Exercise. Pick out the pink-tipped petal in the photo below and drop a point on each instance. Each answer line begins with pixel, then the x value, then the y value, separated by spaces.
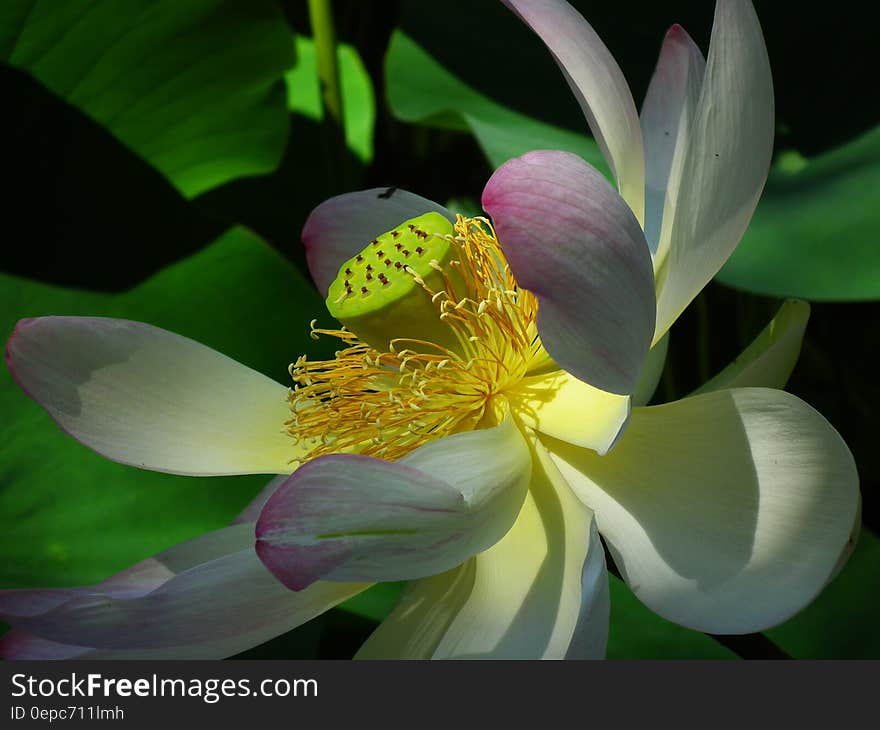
pixel 572 240
pixel 353 517
pixel 539 592
pixel 599 86
pixel 299 566
pixel 341 226
pixel 132 582
pixel 150 398
pixel 18 645
pixel 667 117
pixel 209 597
pixel 16 602
pixel 716 181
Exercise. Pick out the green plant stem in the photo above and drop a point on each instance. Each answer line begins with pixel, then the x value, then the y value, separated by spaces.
pixel 324 34
pixel 321 16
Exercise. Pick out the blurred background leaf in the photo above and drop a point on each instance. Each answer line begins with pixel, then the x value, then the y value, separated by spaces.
pixel 359 108
pixel 195 87
pixel 639 633
pixel 376 603
pixel 816 232
pixel 421 91
pixel 842 622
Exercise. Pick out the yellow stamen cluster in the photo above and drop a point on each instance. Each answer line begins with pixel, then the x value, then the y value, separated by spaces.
pixel 386 404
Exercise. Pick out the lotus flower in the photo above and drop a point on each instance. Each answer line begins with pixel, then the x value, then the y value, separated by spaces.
pixel 485 415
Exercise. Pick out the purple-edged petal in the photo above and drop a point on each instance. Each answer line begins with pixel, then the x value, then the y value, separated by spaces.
pixel 726 512
pixel 16 645
pixel 573 241
pixel 150 398
pixel 667 117
pixel 725 163
pixel 352 517
pixel 340 227
pixel 599 86
pixel 206 598
pixel 133 582
pixel 540 592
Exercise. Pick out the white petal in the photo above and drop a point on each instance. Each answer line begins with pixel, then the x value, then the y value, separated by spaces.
pixel 590 639
pixel 726 512
pixel 559 405
pixel 769 360
pixel 599 86
pixel 724 167
pixel 150 398
pixel 667 117
pixel 353 517
pixel 209 597
pixel 541 592
pixel 651 373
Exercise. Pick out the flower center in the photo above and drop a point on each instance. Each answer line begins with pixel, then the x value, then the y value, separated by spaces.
pixel 431 346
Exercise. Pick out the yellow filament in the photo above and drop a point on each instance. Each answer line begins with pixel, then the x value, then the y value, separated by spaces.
pixel 386 404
